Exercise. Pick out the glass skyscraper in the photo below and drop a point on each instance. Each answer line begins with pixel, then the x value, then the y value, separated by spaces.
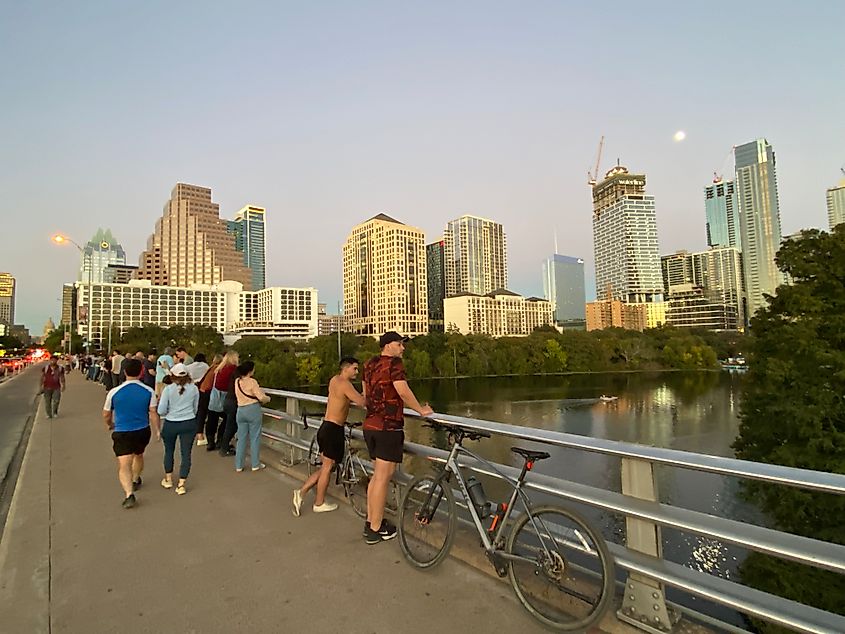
pixel 563 286
pixel 248 228
pixel 475 254
pixel 836 204
pixel 722 212
pixel 101 251
pixel 759 214
pixel 435 265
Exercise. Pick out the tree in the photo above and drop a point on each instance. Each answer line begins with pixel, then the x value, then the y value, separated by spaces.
pixel 308 369
pixel 793 410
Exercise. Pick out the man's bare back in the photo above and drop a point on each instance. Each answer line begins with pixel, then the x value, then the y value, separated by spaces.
pixel 341 395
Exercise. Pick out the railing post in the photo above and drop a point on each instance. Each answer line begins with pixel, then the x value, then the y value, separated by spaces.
pixel 644 604
pixel 293 430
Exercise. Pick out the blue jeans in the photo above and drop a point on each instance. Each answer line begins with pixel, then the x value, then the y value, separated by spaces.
pixel 249 419
pixel 184 430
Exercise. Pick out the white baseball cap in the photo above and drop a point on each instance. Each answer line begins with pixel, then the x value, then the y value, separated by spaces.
pixel 179 370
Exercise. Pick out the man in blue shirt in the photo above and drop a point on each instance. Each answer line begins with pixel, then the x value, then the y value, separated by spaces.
pixel 129 410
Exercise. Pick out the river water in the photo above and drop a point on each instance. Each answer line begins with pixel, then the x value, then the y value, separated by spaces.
pixel 689 411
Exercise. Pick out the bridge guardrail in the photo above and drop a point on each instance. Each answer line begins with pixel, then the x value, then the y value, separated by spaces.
pixel 644 604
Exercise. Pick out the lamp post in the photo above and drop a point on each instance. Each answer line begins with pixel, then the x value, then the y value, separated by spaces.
pixel 61 239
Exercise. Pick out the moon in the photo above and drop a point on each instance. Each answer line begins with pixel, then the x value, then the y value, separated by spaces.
pixel 679 136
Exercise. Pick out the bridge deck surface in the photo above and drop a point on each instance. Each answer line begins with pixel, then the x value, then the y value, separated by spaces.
pixel 228 556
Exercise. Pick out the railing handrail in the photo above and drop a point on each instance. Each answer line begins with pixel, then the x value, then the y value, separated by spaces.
pixel 760 471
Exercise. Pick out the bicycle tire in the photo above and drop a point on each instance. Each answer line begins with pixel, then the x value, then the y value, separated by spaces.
pixel 539 585
pixel 435 537
pixel 315 462
pixel 355 483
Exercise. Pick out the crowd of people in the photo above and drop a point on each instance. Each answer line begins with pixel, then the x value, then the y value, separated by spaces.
pixel 176 398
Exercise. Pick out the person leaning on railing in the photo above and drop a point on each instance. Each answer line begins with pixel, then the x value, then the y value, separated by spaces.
pixel 206 419
pixel 250 396
pixel 223 400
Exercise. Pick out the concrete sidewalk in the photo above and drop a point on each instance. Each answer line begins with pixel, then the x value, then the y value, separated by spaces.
pixel 226 557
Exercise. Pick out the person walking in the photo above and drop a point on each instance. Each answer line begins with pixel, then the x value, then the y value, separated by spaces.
pixel 178 408
pixel 163 365
pixel 206 418
pixel 330 436
pixel 52 386
pixel 148 376
pixel 250 397
pixel 116 366
pixel 386 390
pixel 197 370
pixel 130 413
pixel 223 396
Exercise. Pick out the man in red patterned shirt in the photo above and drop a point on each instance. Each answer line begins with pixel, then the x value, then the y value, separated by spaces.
pixel 387 393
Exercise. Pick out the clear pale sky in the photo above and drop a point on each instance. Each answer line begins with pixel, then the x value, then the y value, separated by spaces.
pixel 328 113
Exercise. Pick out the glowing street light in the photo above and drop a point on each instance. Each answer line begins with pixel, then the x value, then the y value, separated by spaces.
pixel 60 240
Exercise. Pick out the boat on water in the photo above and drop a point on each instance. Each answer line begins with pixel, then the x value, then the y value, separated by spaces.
pixel 608 399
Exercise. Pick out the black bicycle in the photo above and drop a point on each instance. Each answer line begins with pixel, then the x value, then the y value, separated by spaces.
pixel 558 564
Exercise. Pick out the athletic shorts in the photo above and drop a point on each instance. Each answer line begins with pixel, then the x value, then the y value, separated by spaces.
pixel 385 445
pixel 131 442
pixel 331 441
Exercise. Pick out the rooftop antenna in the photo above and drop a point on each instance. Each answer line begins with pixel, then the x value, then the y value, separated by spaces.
pixel 555 230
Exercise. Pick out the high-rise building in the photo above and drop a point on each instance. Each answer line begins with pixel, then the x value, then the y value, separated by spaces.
pixel 625 239
pixel 68 304
pixel 475 256
pixel 759 213
pixel 836 204
pixel 328 324
pixel 191 245
pixel 563 286
pixel 119 273
pixel 101 251
pixel 697 283
pixel 384 278
pixel 722 211
pixel 248 228
pixel 436 272
pixel 7 299
pixel 501 313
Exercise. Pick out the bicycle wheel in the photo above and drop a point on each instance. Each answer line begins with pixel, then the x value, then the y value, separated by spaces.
pixel 427 517
pixel 355 483
pixel 315 460
pixel 565 576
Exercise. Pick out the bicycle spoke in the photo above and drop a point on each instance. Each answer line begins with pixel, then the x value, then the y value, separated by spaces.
pixel 426 522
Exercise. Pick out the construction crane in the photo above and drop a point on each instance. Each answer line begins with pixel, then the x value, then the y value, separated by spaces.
pixel 594 175
pixel 717 176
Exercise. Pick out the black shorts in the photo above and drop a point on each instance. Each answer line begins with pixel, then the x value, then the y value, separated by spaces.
pixel 131 442
pixel 385 445
pixel 331 441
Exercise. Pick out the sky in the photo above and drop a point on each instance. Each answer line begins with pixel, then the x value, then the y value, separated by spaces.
pixel 328 113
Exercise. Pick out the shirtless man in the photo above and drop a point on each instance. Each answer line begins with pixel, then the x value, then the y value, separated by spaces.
pixel 330 436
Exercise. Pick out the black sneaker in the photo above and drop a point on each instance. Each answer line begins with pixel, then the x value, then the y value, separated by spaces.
pixel 385 533
pixel 136 484
pixel 129 502
pixel 366 528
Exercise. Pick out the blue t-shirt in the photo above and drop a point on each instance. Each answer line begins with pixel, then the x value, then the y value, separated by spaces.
pixel 131 403
pixel 161 372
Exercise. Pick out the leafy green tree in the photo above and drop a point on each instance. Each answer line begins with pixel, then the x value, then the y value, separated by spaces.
pixel 555 356
pixel 308 369
pixel 793 410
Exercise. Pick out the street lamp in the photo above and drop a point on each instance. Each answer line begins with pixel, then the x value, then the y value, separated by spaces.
pixel 60 240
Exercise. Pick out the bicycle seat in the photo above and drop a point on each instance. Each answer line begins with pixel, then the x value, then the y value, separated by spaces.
pixel 528 454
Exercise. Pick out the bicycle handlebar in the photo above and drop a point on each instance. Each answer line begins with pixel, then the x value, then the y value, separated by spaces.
pixel 471 434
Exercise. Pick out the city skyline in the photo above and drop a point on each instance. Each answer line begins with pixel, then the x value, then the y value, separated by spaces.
pixel 495 114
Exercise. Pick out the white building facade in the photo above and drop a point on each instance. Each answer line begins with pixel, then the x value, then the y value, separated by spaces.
pixel 498 314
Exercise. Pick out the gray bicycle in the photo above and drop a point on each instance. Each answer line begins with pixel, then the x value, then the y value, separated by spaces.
pixel 558 564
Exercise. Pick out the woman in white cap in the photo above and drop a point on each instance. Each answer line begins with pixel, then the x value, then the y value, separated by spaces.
pixel 178 409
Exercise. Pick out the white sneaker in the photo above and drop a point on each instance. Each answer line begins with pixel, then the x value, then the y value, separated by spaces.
pixel 260 466
pixel 325 507
pixel 167 484
pixel 202 441
pixel 297 502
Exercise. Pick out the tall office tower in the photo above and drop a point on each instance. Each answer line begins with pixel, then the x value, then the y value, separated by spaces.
pixel 720 271
pixel 190 244
pixel 248 228
pixel 836 204
pixel 625 239
pixel 475 256
pixel 68 304
pixel 435 270
pixel 384 278
pixel 759 213
pixel 101 251
pixel 7 299
pixel 722 211
pixel 563 286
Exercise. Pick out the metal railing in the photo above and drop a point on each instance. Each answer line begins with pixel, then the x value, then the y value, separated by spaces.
pixel 644 604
